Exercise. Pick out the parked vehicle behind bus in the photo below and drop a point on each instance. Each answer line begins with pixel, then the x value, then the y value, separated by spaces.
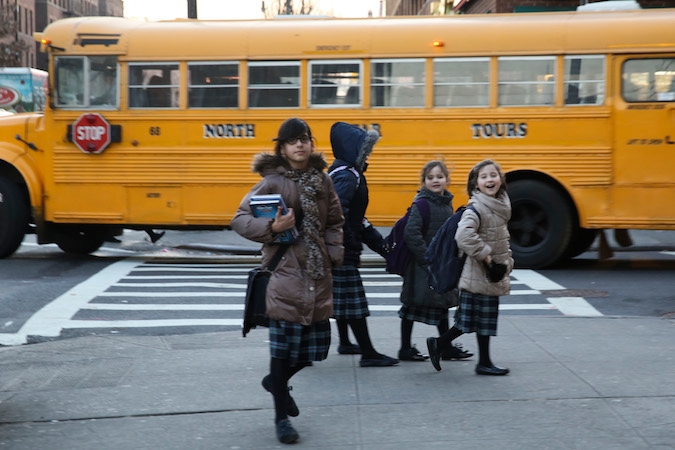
pixel 22 89
pixel 154 124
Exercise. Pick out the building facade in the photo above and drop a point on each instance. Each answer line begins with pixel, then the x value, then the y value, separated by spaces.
pixel 21 18
pixel 17 47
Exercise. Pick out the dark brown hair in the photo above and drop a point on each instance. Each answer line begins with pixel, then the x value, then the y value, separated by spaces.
pixel 428 167
pixel 291 128
pixel 472 181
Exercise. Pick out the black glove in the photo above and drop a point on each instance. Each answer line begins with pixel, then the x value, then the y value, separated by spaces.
pixel 495 271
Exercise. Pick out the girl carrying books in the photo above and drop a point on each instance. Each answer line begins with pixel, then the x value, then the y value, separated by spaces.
pixel 300 291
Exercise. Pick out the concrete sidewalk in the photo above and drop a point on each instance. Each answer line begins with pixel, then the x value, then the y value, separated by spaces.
pixel 575 383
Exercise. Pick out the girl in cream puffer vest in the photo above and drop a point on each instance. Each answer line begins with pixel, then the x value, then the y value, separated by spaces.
pixel 484 238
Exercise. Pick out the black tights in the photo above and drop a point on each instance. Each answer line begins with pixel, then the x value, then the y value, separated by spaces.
pixel 483 344
pixel 360 329
pixel 406 331
pixel 280 373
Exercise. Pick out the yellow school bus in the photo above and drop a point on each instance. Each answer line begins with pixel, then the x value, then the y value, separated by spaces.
pixel 154 124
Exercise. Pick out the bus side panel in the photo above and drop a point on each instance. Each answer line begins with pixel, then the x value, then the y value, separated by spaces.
pixel 644 185
pixel 164 172
pixel 581 162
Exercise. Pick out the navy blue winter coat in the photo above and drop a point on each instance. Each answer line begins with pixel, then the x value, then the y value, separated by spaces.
pixel 351 148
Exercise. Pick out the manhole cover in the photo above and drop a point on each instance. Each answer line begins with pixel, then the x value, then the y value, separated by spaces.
pixel 575 293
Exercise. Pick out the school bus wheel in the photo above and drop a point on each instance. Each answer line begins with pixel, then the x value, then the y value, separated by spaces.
pixel 14 217
pixel 80 242
pixel 541 224
pixel 580 242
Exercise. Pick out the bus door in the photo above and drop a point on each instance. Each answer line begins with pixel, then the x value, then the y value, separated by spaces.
pixel 645 139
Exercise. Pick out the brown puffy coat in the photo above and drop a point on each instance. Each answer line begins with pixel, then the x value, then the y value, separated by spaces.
pixel 291 294
pixel 480 237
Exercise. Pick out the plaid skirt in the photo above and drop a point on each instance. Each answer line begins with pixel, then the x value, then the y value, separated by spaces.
pixel 477 313
pixel 424 314
pixel 349 296
pixel 299 343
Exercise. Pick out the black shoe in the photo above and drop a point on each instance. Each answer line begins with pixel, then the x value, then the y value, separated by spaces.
pixel 286 433
pixel 378 361
pixel 292 408
pixel 455 352
pixel 154 237
pixel 411 354
pixel 351 349
pixel 491 370
pixel 434 354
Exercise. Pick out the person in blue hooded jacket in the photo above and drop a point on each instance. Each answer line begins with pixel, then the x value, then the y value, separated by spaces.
pixel 351 148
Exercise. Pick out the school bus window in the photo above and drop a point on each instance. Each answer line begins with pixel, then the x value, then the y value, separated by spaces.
pixel 274 84
pixel 153 85
pixel 70 81
pixel 335 82
pixel 213 85
pixel 397 82
pixel 461 82
pixel 526 81
pixel 103 80
pixel 584 80
pixel 86 81
pixel 649 80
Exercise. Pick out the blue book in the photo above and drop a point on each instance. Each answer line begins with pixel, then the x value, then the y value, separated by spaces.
pixel 266 206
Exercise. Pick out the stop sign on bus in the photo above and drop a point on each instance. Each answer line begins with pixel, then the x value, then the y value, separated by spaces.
pixel 91 133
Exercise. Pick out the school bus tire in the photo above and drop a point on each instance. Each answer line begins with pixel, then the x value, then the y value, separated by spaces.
pixel 14 217
pixel 541 225
pixel 80 242
pixel 582 239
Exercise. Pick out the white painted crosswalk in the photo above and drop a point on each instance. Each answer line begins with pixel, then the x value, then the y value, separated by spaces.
pixel 140 293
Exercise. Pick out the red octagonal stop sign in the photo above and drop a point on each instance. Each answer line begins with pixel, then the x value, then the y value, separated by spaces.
pixel 91 133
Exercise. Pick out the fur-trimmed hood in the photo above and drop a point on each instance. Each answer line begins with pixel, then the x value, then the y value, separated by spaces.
pixel 265 163
pixel 352 145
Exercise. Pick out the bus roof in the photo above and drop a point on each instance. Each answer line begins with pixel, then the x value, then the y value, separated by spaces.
pixel 464 35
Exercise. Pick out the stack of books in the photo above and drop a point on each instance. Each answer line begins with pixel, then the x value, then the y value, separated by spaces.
pixel 266 206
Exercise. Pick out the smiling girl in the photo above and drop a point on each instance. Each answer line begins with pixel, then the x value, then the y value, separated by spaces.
pixel 484 237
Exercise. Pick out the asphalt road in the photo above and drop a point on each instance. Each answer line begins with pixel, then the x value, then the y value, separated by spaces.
pixel 193 282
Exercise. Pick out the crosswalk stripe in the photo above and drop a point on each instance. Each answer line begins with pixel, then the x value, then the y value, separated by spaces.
pixel 133 278
pixel 152 323
pixel 240 307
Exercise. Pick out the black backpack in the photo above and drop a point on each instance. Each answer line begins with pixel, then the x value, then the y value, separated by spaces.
pixel 397 254
pixel 444 265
